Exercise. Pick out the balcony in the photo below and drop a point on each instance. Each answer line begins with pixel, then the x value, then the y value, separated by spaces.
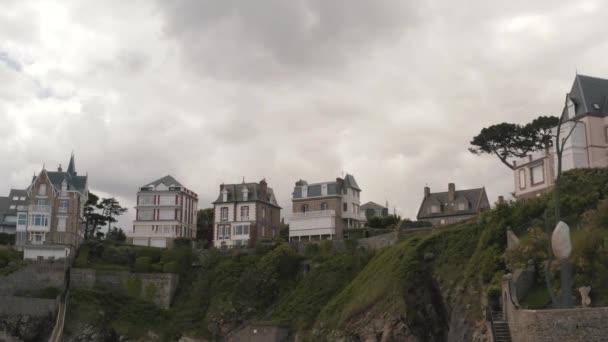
pixel 39 208
pixel 62 210
pixel 316 213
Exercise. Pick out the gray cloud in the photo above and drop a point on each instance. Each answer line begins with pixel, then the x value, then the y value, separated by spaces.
pixel 211 92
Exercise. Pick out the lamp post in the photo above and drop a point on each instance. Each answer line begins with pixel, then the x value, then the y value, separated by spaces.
pixel 562 247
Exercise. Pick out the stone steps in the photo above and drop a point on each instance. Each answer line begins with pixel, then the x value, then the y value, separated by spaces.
pixel 501 327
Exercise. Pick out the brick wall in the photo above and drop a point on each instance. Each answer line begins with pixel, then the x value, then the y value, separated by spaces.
pixel 35 276
pixel 37 307
pixel 158 288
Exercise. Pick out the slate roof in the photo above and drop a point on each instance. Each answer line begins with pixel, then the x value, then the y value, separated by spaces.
pixel 350 182
pixel 475 198
pixel 235 194
pixel 74 182
pixel 168 180
pixel 589 94
pixel 333 187
pixel 372 205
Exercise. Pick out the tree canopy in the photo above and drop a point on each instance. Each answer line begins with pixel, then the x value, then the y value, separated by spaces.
pixel 508 140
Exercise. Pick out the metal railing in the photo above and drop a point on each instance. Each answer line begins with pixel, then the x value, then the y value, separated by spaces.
pixel 315 213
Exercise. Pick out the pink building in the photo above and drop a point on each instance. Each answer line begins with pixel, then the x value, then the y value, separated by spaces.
pixel 586 104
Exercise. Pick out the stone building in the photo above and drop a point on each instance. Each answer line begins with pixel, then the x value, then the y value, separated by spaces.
pixel 442 208
pixel 325 211
pixel 166 210
pixel 50 218
pixel 245 213
pixel 373 209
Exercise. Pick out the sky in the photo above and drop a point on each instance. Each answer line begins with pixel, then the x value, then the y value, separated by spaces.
pixel 210 92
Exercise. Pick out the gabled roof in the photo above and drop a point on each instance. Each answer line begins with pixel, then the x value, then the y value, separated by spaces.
pixel 473 196
pixel 589 94
pixel 350 182
pixel 74 182
pixel 254 193
pixel 372 205
pixel 167 180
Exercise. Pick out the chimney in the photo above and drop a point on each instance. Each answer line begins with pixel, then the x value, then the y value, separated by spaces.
pixel 59 168
pixel 451 192
pixel 427 191
pixel 501 199
pixel 263 186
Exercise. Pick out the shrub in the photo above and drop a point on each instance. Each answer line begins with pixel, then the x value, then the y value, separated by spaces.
pixel 150 252
pixel 171 267
pixel 311 249
pixel 121 255
pixel 7 239
pixel 142 264
pixel 183 257
pixel 182 243
pixel 82 260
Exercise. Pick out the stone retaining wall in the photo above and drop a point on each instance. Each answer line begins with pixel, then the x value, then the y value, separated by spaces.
pixel 158 288
pixel 35 276
pixel 36 307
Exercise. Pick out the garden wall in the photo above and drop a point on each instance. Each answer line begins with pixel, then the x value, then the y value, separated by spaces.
pixel 35 276
pixel 36 307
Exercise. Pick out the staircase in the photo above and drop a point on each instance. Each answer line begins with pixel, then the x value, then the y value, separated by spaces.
pixel 500 327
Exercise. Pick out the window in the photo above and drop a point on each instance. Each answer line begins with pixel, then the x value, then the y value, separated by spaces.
pixel 345 207
pixel 304 208
pixel 145 200
pixel 344 191
pixel 22 198
pixel 64 186
pixel 61 224
pixel 324 206
pixel 39 220
pixel 223 232
pixel 22 219
pixel 442 222
pixel 522 179
pixel 145 215
pixel 461 206
pixel 238 230
pixel 42 190
pixel 166 214
pixel 37 238
pixel 245 213
pixel 15 198
pixel 263 212
pixel 434 209
pixel 41 202
pixel 167 200
pixel 354 208
pixel 13 207
pixel 63 205
pixel 537 174
pixel 224 214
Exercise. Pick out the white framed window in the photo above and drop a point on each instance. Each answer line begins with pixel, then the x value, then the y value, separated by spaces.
pixel 434 208
pixel 223 232
pixel 145 200
pixel 13 207
pixel 224 214
pixel 145 215
pixel 39 220
pixel 167 200
pixel 64 205
pixel 22 219
pixel 64 186
pixel 166 214
pixel 22 198
pixel 61 223
pixel 42 190
pixel 537 174
pixel 522 179
pixel 41 202
pixel 461 206
pixel 37 238
pixel 15 198
pixel 245 213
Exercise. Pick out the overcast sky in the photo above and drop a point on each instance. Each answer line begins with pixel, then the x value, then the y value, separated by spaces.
pixel 213 91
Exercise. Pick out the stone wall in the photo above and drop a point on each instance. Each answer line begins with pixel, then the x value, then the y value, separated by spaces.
pixel 35 276
pixel 379 241
pixel 158 288
pixel 36 307
pixel 572 325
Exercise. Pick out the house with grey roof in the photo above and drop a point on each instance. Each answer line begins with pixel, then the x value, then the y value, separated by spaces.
pixel 373 209
pixel 245 214
pixel 50 213
pixel 452 206
pixel 586 113
pixel 166 210
pixel 325 210
pixel 9 206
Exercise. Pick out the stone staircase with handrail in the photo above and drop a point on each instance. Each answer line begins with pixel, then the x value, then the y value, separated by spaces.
pixel 500 327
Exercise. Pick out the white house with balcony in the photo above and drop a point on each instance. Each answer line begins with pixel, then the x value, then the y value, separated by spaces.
pixel 166 210
pixel 326 210
pixel 49 213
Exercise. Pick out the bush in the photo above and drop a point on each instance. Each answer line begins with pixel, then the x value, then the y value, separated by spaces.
pixel 311 249
pixel 150 252
pixel 183 257
pixel 182 243
pixel 171 267
pixel 142 265
pixel 120 255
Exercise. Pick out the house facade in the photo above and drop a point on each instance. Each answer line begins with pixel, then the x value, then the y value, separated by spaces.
pixel 16 201
pixel 325 211
pixel 452 206
pixel 49 214
pixel 244 214
pixel 166 210
pixel 373 209
pixel 585 108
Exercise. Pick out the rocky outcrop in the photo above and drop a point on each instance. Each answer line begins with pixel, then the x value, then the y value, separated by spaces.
pixel 25 328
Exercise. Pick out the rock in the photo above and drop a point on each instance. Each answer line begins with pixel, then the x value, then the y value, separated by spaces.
pixel 560 241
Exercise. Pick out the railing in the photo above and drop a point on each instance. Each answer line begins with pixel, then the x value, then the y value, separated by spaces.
pixel 491 320
pixel 62 209
pixel 316 213
pixel 43 208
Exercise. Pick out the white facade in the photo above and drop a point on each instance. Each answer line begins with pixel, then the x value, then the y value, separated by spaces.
pixel 321 223
pixel 233 223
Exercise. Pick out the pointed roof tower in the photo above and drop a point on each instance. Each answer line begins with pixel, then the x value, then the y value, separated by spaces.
pixel 72 166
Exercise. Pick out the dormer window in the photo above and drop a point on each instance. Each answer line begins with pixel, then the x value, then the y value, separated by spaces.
pixel 245 194
pixel 42 190
pixel 64 185
pixel 462 206
pixel 434 208
pixel 224 195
